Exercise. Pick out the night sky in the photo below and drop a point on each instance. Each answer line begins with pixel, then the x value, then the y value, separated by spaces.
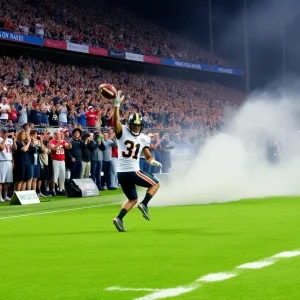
pixel 189 18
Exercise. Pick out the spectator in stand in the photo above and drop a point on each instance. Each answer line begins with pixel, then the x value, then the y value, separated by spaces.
pixel 10 125
pixel 53 117
pixel 96 149
pixel 72 119
pixel 91 117
pixel 35 114
pixel 75 153
pixel 23 112
pixel 156 153
pixel 39 30
pixel 13 115
pixel 5 110
pixel 107 164
pixel 66 135
pixel 81 117
pixel 62 114
pixel 45 119
pixel 166 146
pixel 38 148
pixel 23 171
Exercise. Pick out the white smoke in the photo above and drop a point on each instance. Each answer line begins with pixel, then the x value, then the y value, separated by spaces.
pixel 234 165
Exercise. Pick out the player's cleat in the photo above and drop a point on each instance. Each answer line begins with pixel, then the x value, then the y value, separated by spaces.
pixel 144 209
pixel 119 224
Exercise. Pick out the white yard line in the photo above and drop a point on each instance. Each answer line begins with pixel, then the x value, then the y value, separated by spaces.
pixel 117 288
pixel 56 211
pixel 167 293
pixel 209 278
pixel 256 265
pixel 287 254
pixel 216 277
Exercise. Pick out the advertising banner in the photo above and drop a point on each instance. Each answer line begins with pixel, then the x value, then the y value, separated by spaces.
pixel 227 70
pixel 195 66
pixel 98 51
pixel 55 44
pixel 183 151
pixel 116 53
pixel 77 48
pixel 134 56
pixel 24 198
pixel 17 37
pixel 152 59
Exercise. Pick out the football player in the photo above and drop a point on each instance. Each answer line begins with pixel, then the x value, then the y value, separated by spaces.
pixel 131 142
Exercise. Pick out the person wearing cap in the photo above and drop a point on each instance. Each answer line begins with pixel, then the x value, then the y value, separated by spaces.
pixel 58 146
pixel 91 117
pixel 66 134
pixel 74 155
pixel 6 164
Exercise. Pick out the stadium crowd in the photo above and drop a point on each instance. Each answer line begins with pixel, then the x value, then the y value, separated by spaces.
pixel 80 22
pixel 46 93
pixel 43 103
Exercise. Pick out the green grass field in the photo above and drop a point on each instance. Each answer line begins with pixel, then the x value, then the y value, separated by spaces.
pixel 64 250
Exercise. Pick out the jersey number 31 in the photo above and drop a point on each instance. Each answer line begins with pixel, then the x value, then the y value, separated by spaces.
pixel 131 149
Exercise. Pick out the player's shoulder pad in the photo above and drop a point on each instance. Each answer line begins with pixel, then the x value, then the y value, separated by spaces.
pixel 145 138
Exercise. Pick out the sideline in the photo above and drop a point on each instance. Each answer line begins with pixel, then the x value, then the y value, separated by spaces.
pixel 57 211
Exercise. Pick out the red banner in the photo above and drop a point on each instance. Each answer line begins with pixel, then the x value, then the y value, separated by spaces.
pixel 55 44
pixel 152 59
pixel 98 51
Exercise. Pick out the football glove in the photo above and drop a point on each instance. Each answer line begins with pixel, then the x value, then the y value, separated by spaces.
pixel 155 163
pixel 118 100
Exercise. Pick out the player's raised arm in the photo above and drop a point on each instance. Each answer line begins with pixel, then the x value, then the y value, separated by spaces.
pixel 117 123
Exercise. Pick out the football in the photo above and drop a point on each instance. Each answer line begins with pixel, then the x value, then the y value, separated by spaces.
pixel 108 91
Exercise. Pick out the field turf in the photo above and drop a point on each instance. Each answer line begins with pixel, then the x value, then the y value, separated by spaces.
pixel 69 249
